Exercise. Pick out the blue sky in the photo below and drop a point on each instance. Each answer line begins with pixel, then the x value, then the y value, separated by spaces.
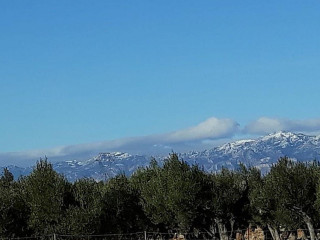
pixel 78 72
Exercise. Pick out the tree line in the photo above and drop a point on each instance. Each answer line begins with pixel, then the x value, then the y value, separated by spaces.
pixel 168 197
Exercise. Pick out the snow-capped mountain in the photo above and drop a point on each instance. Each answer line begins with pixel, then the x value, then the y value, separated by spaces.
pixel 103 166
pixel 261 152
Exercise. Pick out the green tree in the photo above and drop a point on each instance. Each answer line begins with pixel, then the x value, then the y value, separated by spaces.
pixel 121 212
pixel 83 214
pixel 45 197
pixel 293 186
pixel 170 195
pixel 265 210
pixel 229 201
pixel 7 177
pixel 13 210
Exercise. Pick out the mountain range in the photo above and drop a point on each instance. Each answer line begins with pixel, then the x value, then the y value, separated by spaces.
pixel 261 153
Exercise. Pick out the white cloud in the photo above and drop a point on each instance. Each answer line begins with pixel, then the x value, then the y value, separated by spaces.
pixel 265 125
pixel 212 128
pixel 206 134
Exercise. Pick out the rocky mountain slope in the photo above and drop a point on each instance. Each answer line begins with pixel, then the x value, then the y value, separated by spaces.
pixel 261 152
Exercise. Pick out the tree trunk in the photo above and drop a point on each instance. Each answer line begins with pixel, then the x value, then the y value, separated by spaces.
pixel 211 231
pixel 222 230
pixel 274 232
pixel 308 221
pixel 232 225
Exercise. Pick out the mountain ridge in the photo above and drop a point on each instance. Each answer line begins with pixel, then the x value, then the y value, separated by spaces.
pixel 261 153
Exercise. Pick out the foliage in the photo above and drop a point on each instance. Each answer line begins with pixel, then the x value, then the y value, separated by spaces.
pixel 293 186
pixel 14 212
pixel 45 192
pixel 171 196
pixel 82 215
pixel 121 212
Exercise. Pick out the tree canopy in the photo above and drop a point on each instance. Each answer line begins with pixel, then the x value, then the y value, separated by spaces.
pixel 169 196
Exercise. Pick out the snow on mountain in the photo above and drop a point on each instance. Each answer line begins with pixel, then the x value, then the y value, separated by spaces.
pixel 261 153
pixel 102 167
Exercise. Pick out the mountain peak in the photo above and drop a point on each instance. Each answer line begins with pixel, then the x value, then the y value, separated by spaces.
pixel 110 156
pixel 282 135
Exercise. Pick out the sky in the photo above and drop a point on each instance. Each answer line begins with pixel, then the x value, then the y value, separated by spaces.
pixel 153 76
